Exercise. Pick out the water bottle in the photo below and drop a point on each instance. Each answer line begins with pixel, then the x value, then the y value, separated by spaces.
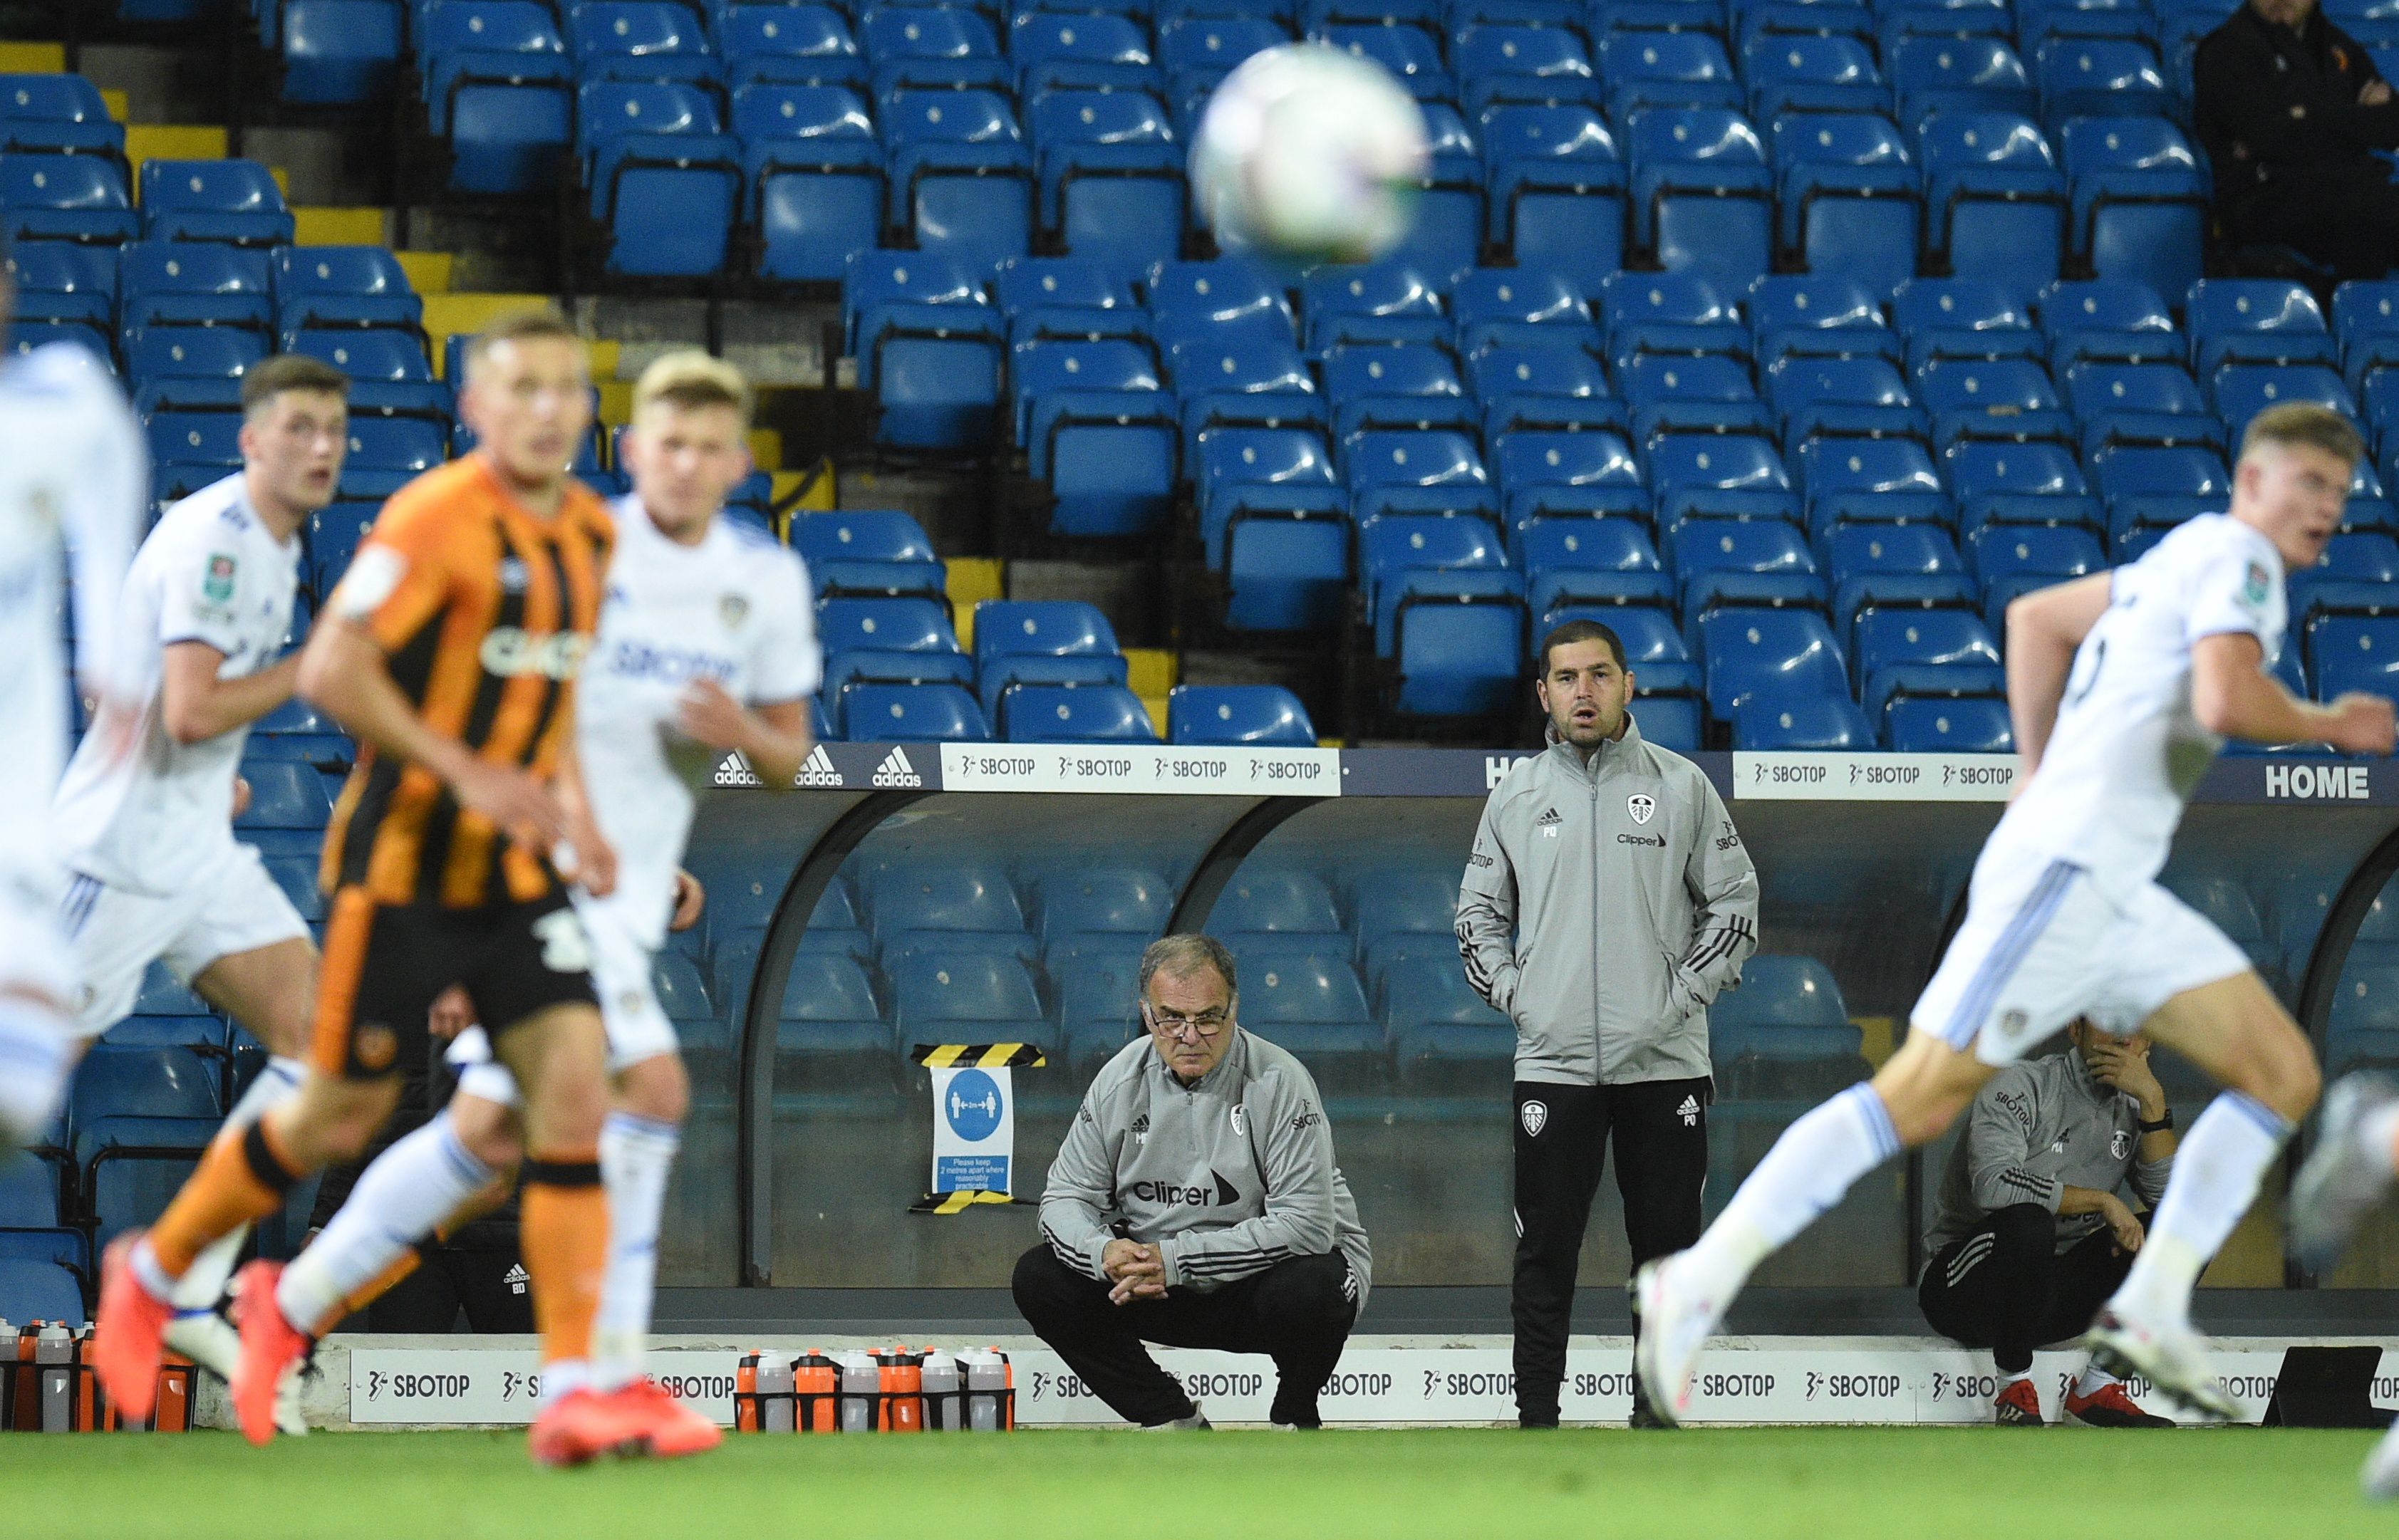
pixel 902 1406
pixel 945 1396
pixel 745 1393
pixel 25 1391
pixel 861 1387
pixel 816 1388
pixel 54 1361
pixel 991 1390
pixel 173 1410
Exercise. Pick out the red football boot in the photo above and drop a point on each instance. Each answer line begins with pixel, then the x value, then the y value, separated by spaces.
pixel 269 1345
pixel 675 1429
pixel 2018 1405
pixel 130 1337
pixel 2110 1407
pixel 582 1426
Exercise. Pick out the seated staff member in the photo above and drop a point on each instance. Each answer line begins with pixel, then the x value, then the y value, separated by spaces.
pixel 1195 1203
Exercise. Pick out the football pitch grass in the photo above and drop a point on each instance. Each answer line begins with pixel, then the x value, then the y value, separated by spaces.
pixel 1810 1483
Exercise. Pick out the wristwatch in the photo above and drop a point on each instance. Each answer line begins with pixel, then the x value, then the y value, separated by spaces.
pixel 2161 1126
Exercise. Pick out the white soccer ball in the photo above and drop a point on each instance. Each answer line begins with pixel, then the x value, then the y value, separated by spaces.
pixel 1311 153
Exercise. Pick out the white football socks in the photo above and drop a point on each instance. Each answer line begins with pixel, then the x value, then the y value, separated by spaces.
pixel 33 1064
pixel 2378 1130
pixel 410 1189
pixel 635 1155
pixel 1807 1171
pixel 2217 1171
pixel 197 1290
pixel 2094 1380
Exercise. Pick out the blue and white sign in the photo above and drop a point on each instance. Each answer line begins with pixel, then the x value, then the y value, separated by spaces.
pixel 974 1130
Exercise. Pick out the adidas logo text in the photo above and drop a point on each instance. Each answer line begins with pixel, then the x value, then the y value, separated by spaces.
pixel 895 771
pixel 818 769
pixel 1689 1112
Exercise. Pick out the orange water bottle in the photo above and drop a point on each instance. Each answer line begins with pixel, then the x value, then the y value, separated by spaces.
pixel 902 1405
pixel 816 1392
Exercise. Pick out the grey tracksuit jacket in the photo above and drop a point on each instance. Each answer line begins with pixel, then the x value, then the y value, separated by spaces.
pixel 1227 1178
pixel 2036 1129
pixel 1604 907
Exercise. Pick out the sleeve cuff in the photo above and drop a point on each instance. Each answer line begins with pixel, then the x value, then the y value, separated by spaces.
pixel 1171 1275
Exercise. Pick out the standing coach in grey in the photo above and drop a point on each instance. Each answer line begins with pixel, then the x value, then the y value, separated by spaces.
pixel 1195 1203
pixel 1606 900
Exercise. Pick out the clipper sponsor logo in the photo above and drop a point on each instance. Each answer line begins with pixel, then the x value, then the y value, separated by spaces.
pixel 895 771
pixel 631 658
pixel 1173 1193
pixel 2318 782
pixel 511 653
pixel 1654 841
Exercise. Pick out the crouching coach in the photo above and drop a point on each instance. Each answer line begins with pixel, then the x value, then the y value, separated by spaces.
pixel 1195 1203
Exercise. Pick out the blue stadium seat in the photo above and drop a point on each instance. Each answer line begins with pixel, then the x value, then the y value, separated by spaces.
pixel 1384 468
pixel 966 998
pixel 1646 71
pixel 2243 390
pixel 1966 319
pixel 1227 300
pixel 2034 483
pixel 1089 901
pixel 364 356
pixel 1846 398
pixel 1818 315
pixel 191 352
pixel 295 730
pixel 56 114
pixel 497 82
pixel 1811 74
pixel 928 344
pixel 1958 75
pixel 1847 191
pixel 2013 560
pixel 1770 654
pixel 2121 320
pixel 1044 627
pixel 2255 322
pixel 2139 200
pixel 1702 194
pixel 813 173
pixel 928 31
pixel 1672 313
pixel 1734 477
pixel 1412 54
pixel 234 201
pixel 1053 51
pixel 1452 634
pixel 1586 561
pixel 2003 399
pixel 1204 49
pixel 664 180
pixel 1392 300
pixel 1698 393
pixel 361 286
pixel 1822 722
pixel 1242 715
pixel 885 625
pixel 2085 77
pixel 1524 307
pixel 1888 640
pixel 2353 653
pixel 649 40
pixel 1556 189
pixel 1742 562
pixel 1670 722
pixel 961 177
pixel 339 53
pixel 65 197
pixel 1310 1002
pixel 1838 472
pixel 1278 901
pixel 1995 200
pixel 1974 725
pixel 1085 713
pixel 860 535
pixel 194 283
pixel 58 281
pixel 288 807
pixel 792 44
pixel 1784 1032
pixel 1446 1040
pixel 37 1291
pixel 1109 168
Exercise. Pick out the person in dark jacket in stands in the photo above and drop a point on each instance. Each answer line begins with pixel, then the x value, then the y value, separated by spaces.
pixel 2290 109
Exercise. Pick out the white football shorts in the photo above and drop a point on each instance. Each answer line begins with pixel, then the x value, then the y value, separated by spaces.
pixel 113 936
pixel 637 1024
pixel 32 943
pixel 2043 944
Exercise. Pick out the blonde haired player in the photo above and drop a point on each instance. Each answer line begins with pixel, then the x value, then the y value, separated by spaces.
pixel 2123 685
pixel 155 874
pixel 705 644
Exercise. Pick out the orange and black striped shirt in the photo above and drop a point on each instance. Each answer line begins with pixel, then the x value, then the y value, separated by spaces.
pixel 483 611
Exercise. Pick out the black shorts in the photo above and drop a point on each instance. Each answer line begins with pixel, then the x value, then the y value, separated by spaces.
pixel 384 963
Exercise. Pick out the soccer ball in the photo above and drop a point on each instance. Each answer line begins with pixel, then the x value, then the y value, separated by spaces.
pixel 1309 154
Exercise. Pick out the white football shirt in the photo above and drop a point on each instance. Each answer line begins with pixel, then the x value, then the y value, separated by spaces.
pixel 74 472
pixel 2127 752
pixel 734 608
pixel 212 573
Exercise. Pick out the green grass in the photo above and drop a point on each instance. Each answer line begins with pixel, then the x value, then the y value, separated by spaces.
pixel 1814 1484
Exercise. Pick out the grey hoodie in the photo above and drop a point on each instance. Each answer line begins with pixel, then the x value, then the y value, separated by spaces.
pixel 1604 907
pixel 1227 1178
pixel 2036 1128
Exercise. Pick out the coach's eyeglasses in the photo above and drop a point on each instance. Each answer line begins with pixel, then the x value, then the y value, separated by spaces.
pixel 1202 1027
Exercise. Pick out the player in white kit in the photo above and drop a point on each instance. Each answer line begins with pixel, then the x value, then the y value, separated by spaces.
pixel 2122 686
pixel 154 872
pixel 702 616
pixel 73 474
